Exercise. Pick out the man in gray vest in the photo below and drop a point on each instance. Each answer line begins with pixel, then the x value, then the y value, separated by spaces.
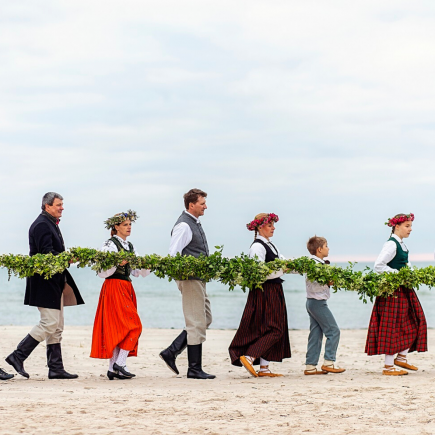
pixel 188 238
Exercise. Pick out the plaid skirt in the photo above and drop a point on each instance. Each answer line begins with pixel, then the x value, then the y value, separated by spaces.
pixel 397 323
pixel 263 330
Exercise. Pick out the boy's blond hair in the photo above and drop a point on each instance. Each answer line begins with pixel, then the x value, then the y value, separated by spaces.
pixel 314 243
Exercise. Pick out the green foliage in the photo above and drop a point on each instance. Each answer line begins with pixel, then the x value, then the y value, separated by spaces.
pixel 240 271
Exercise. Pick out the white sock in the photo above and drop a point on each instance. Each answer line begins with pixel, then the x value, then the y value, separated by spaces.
pixel 113 359
pixel 389 360
pixel 122 357
pixel 264 362
pixel 404 352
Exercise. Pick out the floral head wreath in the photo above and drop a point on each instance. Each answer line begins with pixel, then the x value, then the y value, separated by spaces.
pixel 257 223
pixel 119 218
pixel 392 222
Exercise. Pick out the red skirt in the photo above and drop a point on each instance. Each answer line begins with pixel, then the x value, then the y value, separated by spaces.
pixel 397 323
pixel 117 322
pixel 263 330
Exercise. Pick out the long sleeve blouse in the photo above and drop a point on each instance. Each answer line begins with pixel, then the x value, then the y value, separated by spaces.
pixel 109 246
pixel 259 251
pixel 388 252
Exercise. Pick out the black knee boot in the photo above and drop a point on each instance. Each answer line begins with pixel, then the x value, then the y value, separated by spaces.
pixel 18 356
pixel 170 354
pixel 55 363
pixel 194 353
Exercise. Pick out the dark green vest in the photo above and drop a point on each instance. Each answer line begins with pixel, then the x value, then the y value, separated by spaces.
pixel 401 258
pixel 122 272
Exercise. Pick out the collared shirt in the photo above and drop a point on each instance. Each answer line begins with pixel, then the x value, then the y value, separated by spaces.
pixel 257 249
pixel 51 217
pixel 314 289
pixel 109 246
pixel 387 254
pixel 181 236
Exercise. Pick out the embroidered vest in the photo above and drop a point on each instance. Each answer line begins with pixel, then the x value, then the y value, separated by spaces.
pixel 122 272
pixel 270 256
pixel 401 258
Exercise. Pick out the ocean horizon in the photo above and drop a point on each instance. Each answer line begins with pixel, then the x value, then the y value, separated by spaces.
pixel 159 302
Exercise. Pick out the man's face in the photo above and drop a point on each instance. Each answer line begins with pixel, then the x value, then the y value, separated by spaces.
pixel 198 208
pixel 56 209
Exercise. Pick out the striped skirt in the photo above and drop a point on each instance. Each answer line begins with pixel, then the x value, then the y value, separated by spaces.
pixel 117 322
pixel 397 323
pixel 263 330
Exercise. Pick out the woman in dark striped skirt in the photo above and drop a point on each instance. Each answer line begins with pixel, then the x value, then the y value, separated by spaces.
pixel 397 325
pixel 263 332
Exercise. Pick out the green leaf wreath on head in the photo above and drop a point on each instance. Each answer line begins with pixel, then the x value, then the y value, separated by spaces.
pixel 119 218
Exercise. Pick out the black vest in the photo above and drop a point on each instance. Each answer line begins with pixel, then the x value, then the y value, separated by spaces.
pixel 122 272
pixel 270 256
pixel 198 245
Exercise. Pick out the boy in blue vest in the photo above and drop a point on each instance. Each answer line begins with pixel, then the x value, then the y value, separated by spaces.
pixel 322 322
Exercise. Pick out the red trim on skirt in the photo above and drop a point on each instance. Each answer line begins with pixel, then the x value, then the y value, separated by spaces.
pixel 263 330
pixel 397 323
pixel 117 322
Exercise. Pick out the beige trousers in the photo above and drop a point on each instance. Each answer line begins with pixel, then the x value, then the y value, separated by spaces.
pixel 50 326
pixel 196 309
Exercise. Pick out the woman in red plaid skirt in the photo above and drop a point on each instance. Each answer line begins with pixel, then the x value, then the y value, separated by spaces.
pixel 263 332
pixel 397 325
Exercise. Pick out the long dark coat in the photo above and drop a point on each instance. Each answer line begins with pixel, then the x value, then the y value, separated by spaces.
pixel 45 237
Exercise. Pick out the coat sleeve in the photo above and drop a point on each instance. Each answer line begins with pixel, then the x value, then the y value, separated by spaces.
pixel 44 239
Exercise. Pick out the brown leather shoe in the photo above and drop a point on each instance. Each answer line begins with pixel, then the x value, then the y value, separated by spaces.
pixel 315 372
pixel 391 371
pixel 269 374
pixel 248 366
pixel 332 369
pixel 404 364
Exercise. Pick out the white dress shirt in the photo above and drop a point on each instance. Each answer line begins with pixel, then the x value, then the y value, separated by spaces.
pixel 257 249
pixel 109 246
pixel 387 254
pixel 314 289
pixel 181 236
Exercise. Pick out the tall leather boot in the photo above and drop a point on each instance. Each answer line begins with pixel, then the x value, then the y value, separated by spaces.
pixel 170 354
pixel 55 363
pixel 18 356
pixel 194 353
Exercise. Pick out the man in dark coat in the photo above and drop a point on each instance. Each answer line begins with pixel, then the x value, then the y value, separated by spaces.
pixel 49 295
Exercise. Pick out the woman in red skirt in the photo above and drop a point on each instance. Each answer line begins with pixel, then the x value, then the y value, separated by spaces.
pixel 117 325
pixel 397 325
pixel 263 332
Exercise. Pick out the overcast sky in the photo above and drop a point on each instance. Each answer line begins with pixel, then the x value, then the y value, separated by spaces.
pixel 321 112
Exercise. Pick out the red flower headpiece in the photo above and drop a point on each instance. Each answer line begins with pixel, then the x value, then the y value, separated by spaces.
pixel 398 220
pixel 257 223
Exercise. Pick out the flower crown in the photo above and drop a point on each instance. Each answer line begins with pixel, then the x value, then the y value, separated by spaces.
pixel 119 218
pixel 398 220
pixel 257 223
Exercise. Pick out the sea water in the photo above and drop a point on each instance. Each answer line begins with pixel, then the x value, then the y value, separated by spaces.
pixel 159 303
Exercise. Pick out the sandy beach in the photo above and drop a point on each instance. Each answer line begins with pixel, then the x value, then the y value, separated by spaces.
pixel 358 401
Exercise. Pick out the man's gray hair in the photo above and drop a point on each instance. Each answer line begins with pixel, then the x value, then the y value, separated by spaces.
pixel 49 198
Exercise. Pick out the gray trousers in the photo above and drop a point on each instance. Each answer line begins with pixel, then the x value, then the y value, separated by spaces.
pixel 50 326
pixel 196 309
pixel 322 322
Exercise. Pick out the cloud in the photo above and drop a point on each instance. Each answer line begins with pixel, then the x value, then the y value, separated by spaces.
pixel 321 112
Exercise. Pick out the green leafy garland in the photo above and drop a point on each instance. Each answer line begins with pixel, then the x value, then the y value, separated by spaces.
pixel 240 271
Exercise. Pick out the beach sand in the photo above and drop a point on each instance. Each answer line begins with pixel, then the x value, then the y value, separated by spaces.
pixel 359 401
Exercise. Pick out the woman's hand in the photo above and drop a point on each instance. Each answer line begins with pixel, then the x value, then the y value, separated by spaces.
pixel 123 263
